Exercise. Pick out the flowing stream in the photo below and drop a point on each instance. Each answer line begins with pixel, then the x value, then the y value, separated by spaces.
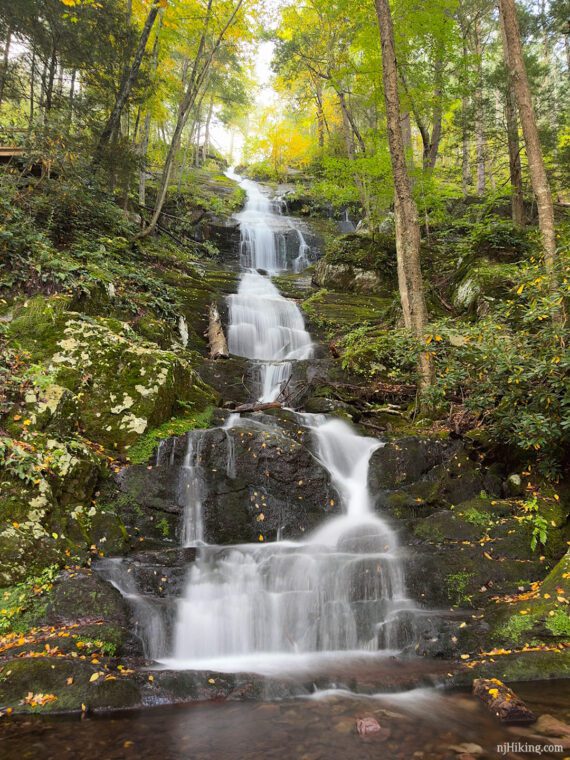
pixel 341 589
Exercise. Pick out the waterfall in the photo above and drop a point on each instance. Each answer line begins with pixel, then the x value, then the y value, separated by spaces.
pixel 264 326
pixel 339 590
pixel 190 491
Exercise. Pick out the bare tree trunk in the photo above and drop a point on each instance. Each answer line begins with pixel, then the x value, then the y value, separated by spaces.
pixel 321 121
pixel 466 179
pixel 535 158
pixel 143 150
pixel 71 99
pixel 480 147
pixel 5 59
pixel 407 226
pixel 407 138
pixel 32 85
pixel 515 168
pixel 127 84
pixel 349 136
pixel 350 120
pixel 48 101
pixel 435 139
pixel 207 128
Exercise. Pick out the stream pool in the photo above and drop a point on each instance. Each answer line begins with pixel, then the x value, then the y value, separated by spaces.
pixel 421 724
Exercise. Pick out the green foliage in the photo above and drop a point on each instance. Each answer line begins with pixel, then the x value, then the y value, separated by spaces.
pixel 538 523
pixel 559 623
pixel 513 629
pixel 457 584
pixel 18 599
pixel 377 252
pixel 142 451
pixel 476 517
pixel 372 351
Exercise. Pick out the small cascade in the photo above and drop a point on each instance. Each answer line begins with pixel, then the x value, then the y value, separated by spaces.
pixel 302 260
pixel 150 624
pixel 191 491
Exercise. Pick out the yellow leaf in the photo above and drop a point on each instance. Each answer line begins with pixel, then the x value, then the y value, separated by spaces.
pixel 260 537
pixel 520 290
pixel 69 680
pixel 95 677
pixel 464 656
pixel 438 338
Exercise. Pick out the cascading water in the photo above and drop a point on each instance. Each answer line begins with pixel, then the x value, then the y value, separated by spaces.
pixel 264 326
pixel 339 590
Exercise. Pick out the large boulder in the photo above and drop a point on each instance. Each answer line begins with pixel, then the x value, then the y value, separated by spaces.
pixel 345 277
pixel 124 385
pixel 253 483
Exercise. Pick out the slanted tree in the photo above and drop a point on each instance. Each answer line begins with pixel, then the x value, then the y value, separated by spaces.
pixel 407 226
pixel 128 81
pixel 537 169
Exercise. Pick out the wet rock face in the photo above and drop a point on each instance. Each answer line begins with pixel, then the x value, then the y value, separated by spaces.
pixel 254 483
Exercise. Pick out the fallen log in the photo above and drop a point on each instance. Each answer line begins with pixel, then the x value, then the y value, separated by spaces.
pixel 216 337
pixel 502 701
pixel 261 407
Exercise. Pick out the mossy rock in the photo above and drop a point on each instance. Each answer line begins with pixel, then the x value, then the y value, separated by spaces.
pixel 345 277
pixel 38 324
pixel 483 280
pixel 125 385
pixel 377 254
pixel 344 311
pixel 68 680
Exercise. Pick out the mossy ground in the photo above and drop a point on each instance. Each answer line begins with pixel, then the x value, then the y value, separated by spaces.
pixel 100 352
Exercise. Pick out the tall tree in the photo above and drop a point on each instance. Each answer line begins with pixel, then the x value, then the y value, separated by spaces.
pixel 407 225
pixel 515 168
pixel 128 81
pixel 537 170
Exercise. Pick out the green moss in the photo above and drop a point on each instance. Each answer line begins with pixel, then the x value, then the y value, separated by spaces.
pixel 475 517
pixel 513 630
pixel 143 449
pixel 457 585
pixel 559 623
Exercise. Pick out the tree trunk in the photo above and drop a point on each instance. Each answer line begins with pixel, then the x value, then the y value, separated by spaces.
pixel 71 99
pixel 349 136
pixel 350 120
pixel 435 139
pixel 537 170
pixel 5 59
pixel 407 226
pixel 143 150
pixel 515 168
pixel 207 127
pixel 32 86
pixel 480 147
pixel 195 83
pixel 127 84
pixel 48 101
pixel 466 180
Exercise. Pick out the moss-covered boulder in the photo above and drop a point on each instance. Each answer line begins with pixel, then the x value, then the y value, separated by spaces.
pixel 345 277
pixel 124 384
pixel 481 281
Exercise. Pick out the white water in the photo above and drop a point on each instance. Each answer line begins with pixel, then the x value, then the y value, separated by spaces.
pixel 340 590
pixel 264 326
